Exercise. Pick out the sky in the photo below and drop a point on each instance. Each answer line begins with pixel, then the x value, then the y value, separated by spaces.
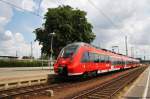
pixel 112 20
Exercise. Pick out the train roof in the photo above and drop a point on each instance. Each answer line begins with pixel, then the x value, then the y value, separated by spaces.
pixel 105 51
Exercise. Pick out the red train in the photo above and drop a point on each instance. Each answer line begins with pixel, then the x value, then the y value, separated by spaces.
pixel 82 58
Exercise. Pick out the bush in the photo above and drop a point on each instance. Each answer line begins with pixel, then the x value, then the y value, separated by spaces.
pixel 24 63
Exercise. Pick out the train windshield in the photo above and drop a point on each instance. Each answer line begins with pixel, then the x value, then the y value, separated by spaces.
pixel 68 51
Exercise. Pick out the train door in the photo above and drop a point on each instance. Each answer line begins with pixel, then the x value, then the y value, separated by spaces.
pixel 96 62
pixel 86 62
pixel 103 66
pixel 113 64
pixel 107 61
pixel 123 63
pixel 91 62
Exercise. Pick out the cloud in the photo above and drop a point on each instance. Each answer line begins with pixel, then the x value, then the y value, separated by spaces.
pixel 28 5
pixel 11 42
pixel 7 36
pixel 6 14
pixel 113 20
pixel 48 4
pixel 129 18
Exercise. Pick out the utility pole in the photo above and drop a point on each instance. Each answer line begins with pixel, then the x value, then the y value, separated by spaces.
pixel 136 56
pixel 31 50
pixel 144 55
pixel 126 43
pixel 42 59
pixel 16 53
pixel 132 51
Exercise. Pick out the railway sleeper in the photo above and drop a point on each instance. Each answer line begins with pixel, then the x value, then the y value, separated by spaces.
pixel 3 95
pixel 99 97
pixel 29 90
pixel 103 92
pixel 93 97
pixel 13 93
pixel 106 94
pixel 108 90
pixel 22 91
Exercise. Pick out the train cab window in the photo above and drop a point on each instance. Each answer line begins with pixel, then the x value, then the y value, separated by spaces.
pixel 68 51
pixel 85 57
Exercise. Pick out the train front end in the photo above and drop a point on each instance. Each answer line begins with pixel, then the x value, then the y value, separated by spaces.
pixel 66 62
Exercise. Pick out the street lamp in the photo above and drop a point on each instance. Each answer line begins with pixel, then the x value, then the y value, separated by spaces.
pixel 51 49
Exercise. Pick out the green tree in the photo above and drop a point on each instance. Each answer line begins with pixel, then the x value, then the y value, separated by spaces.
pixel 70 25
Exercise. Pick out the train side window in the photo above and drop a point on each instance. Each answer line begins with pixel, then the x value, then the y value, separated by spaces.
pixel 102 58
pixel 85 57
pixel 107 59
pixel 127 62
pixel 114 61
pixel 123 62
pixel 91 57
pixel 120 62
pixel 99 57
pixel 111 59
pixel 96 60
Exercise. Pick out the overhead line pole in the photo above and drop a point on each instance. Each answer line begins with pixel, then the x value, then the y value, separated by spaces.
pixel 126 44
pixel 132 51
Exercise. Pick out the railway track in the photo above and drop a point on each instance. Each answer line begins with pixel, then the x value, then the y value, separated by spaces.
pixel 4 94
pixel 100 91
pixel 43 89
pixel 108 89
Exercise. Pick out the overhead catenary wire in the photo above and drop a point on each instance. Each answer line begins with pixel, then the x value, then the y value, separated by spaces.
pixel 59 2
pixel 39 6
pixel 101 12
pixel 15 6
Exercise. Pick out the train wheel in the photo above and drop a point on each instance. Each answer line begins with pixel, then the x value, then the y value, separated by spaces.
pixel 85 75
